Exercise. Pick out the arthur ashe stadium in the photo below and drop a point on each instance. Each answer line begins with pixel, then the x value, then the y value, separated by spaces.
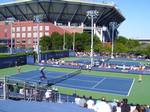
pixel 71 13
pixel 67 81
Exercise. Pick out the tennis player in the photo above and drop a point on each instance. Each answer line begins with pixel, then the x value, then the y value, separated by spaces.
pixel 141 75
pixel 18 69
pixel 42 77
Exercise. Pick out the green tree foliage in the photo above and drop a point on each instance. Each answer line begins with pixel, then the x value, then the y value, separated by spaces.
pixel 120 48
pixel 45 43
pixel 97 44
pixel 69 40
pixel 147 50
pixel 82 41
pixel 121 39
pixel 57 41
pixel 122 44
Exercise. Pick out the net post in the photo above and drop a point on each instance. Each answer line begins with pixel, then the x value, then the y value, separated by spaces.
pixel 4 89
pixel 59 98
pixel 24 87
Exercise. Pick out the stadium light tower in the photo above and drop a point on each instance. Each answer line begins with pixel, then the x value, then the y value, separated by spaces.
pixel 92 14
pixel 113 26
pixel 38 19
pixel 64 40
pixel 11 21
pixel 73 43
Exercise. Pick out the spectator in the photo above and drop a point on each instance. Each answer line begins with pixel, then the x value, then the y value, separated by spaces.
pixel 82 101
pixel 90 103
pixel 21 91
pixel 48 95
pixel 77 100
pixel 118 107
pixel 137 109
pixel 1 85
pixel 102 106
pixel 16 88
pixel 125 106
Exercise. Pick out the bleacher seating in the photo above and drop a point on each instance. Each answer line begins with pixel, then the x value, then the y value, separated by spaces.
pixel 24 106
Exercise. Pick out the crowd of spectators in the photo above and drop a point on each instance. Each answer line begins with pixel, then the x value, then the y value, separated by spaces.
pixel 102 105
pixel 99 105
pixel 102 63
pixel 116 55
pixel 60 62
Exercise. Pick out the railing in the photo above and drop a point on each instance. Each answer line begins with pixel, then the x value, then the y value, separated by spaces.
pixel 30 92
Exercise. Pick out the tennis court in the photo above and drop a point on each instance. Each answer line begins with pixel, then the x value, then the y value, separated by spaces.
pixel 114 85
pixel 119 62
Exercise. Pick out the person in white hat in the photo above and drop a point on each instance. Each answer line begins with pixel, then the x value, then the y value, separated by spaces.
pixel 48 95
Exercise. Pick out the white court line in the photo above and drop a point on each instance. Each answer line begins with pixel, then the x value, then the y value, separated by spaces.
pixel 87 88
pixel 98 83
pixel 131 87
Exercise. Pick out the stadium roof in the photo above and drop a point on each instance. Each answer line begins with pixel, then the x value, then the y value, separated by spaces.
pixel 61 11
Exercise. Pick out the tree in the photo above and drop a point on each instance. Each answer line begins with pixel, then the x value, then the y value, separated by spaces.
pixel 131 44
pixel 120 48
pixel 57 41
pixel 82 41
pixel 97 44
pixel 69 40
pixel 121 39
pixel 45 43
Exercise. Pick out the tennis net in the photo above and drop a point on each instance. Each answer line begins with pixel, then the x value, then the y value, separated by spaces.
pixel 64 77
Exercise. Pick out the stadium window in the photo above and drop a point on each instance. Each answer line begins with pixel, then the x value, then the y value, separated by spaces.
pixel 23 35
pixel 41 28
pixel 47 33
pixel 29 28
pixel 46 28
pixel 29 35
pixel 18 29
pixel 18 35
pixel 34 28
pixel 23 41
pixel 13 35
pixel 13 29
pixel 34 34
pixel 24 28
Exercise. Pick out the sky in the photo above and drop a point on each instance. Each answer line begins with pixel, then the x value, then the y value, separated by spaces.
pixel 137 14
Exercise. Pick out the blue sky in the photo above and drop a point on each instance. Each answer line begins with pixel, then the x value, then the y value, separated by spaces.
pixel 137 14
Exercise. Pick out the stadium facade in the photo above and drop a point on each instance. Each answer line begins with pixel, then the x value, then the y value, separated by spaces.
pixel 57 15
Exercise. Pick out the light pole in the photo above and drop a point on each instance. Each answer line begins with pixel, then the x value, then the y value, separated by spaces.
pixel 64 40
pixel 73 41
pixel 38 19
pixel 113 26
pixel 11 21
pixel 92 14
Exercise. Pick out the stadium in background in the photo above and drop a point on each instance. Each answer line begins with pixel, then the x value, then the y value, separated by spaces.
pixel 57 16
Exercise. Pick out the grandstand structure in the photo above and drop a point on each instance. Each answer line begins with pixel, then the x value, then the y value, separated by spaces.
pixel 66 15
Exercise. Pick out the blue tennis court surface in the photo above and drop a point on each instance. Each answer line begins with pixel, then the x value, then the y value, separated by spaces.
pixel 114 85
